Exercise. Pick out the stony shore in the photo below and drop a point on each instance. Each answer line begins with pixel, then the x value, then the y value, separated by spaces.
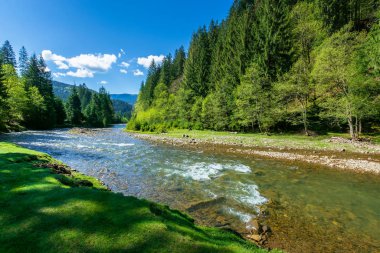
pixel 366 158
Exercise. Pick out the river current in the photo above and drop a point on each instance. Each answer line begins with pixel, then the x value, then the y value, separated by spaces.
pixel 326 210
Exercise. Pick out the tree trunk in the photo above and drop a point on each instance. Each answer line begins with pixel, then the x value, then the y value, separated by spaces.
pixel 351 125
pixel 304 118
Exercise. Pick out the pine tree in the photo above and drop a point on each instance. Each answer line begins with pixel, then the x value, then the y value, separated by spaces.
pixel 84 94
pixel 272 36
pixel 23 61
pixel 107 111
pixel 73 108
pixel 3 102
pixel 179 62
pixel 197 67
pixel 93 112
pixel 7 54
pixel 60 111
pixel 166 75
pixel 37 77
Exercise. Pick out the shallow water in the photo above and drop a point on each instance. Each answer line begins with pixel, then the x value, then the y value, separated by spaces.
pixel 317 210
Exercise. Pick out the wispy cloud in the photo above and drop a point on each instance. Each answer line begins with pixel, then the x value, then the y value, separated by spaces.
pixel 124 64
pixel 121 53
pixel 138 72
pixel 103 82
pixel 124 71
pixel 58 74
pixel 82 73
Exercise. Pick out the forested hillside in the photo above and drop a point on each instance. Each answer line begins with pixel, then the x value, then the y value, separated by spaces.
pixel 62 90
pixel 272 65
pixel 122 109
pixel 27 99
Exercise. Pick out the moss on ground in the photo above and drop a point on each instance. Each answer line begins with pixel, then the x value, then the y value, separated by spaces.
pixel 38 213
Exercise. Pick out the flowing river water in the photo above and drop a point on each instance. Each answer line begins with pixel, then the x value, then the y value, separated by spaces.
pixel 310 208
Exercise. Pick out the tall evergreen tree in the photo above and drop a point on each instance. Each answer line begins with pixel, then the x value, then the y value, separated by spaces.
pixel 179 62
pixel 37 77
pixel 166 75
pixel 73 108
pixel 273 37
pixel 3 101
pixel 197 67
pixel 60 111
pixel 7 54
pixel 23 61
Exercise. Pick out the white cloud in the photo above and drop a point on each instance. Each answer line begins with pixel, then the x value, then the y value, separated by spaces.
pixel 124 71
pixel 49 56
pixel 82 73
pixel 47 69
pixel 146 61
pixel 58 74
pixel 86 65
pixel 138 72
pixel 100 62
pixel 61 65
pixel 125 64
pixel 103 82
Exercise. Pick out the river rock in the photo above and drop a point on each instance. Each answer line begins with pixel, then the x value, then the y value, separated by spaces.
pixel 266 229
pixel 255 227
pixel 256 238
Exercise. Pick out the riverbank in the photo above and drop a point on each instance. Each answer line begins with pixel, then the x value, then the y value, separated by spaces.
pixel 332 151
pixel 47 207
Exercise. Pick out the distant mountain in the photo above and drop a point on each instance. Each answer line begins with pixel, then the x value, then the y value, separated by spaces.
pixel 129 98
pixel 63 90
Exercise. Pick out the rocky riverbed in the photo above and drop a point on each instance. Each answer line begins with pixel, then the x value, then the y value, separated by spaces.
pixel 360 162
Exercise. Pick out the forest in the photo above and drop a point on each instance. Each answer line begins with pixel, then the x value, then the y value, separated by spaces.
pixel 27 100
pixel 272 66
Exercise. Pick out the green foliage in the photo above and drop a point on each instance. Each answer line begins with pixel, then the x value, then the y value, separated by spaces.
pixel 74 108
pixel 99 112
pixel 271 65
pixel 197 66
pixel 37 77
pixel 60 111
pixel 3 102
pixel 7 55
pixel 27 99
pixel 341 91
pixel 23 61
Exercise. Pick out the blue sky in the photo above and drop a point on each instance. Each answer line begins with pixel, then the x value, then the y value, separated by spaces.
pixel 104 42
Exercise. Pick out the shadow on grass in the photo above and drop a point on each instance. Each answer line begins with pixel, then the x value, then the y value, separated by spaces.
pixel 39 214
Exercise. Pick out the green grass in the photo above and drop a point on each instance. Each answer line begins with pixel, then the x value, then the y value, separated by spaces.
pixel 293 141
pixel 40 214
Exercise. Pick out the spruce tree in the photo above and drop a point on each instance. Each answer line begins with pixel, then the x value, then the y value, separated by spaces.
pixel 3 101
pixel 73 108
pixel 7 54
pixel 166 75
pixel 23 61
pixel 179 62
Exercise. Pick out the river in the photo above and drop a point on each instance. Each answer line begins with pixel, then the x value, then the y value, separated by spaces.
pixel 316 209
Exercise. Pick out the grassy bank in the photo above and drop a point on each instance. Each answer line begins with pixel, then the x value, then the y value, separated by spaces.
pixel 42 211
pixel 277 141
